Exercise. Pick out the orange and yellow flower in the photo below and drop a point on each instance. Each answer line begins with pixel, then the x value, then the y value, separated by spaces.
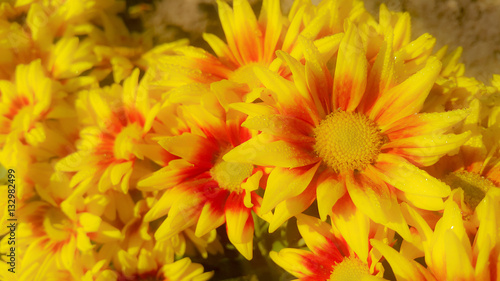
pixel 355 132
pixel 200 187
pixel 114 121
pixel 330 257
pixel 450 254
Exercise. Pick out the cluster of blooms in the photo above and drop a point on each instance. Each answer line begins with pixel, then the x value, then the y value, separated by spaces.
pixel 130 158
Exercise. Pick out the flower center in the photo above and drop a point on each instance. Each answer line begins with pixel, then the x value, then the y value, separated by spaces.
pixel 57 225
pixel 230 175
pixel 347 141
pixel 473 185
pixel 350 269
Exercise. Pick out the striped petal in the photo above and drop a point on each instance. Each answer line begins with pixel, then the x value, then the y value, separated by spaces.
pixel 193 148
pixel 319 238
pixel 406 177
pixel 240 225
pixel 299 263
pixel 350 71
pixel 354 226
pixel 291 207
pixel 294 180
pixel 270 16
pixel 183 213
pixel 372 196
pixel 212 214
pixel 426 150
pixel 285 127
pixel 329 190
pixel 263 150
pixel 424 124
pixel 406 98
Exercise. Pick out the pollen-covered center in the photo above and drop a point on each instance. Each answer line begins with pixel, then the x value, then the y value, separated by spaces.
pixel 350 269
pixel 230 175
pixel 474 186
pixel 347 141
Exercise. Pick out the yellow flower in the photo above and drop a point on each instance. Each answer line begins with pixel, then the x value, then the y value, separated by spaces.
pixel 30 110
pixel 138 255
pixel 449 254
pixel 357 132
pixel 248 40
pixel 475 170
pixel 200 188
pixel 16 47
pixel 47 237
pixel 330 257
pixel 115 119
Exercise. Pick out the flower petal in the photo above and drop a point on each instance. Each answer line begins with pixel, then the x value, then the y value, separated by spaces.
pixel 424 124
pixel 404 269
pixel 319 238
pixel 297 262
pixel 193 148
pixel 354 226
pixel 239 224
pixel 212 214
pixel 291 207
pixel 373 197
pixel 265 151
pixel 397 172
pixel 350 77
pixel 294 180
pixel 450 250
pixel 426 150
pixel 329 190
pixel 406 98
pixel 285 127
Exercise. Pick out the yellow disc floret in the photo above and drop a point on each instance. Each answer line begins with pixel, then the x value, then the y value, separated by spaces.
pixel 347 141
pixel 230 175
pixel 350 269
pixel 474 186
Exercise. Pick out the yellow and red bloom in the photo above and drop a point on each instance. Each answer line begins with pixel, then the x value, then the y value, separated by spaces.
pixel 450 254
pixel 32 105
pixel 358 130
pixel 330 257
pixel 139 256
pixel 200 187
pixel 475 170
pixel 49 237
pixel 115 120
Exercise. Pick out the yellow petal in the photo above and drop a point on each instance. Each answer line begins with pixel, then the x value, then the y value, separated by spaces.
pixel 317 235
pixel 329 190
pixel 90 222
pixel 350 72
pixel 211 216
pixel 404 269
pixel 292 261
pixel 406 98
pixel 374 198
pixel 282 126
pixel 296 181
pixel 353 225
pixel 291 207
pixel 265 151
pixel 406 177
pixel 192 148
